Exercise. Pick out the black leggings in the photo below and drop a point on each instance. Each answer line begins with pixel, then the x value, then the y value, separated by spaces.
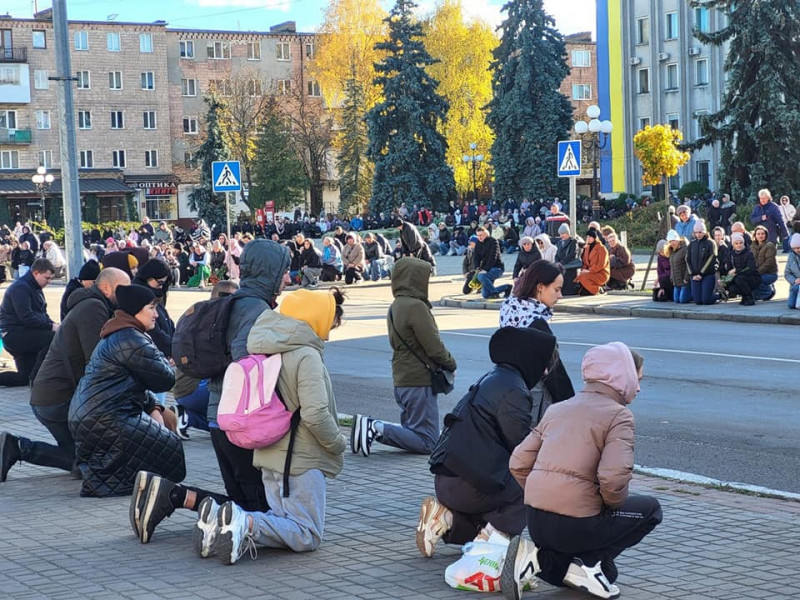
pixel 242 480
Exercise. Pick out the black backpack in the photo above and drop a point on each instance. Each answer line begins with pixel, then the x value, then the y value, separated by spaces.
pixel 198 344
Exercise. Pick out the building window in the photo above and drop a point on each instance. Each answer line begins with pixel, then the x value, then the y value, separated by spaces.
pixel 189 87
pixel 701 72
pixel 254 87
pixel 40 79
pixel 118 159
pixel 87 159
pixel 671 32
pixel 697 114
pixel 643 30
pixel 222 86
pixel 151 158
pixel 675 182
pixel 112 42
pixel 115 80
pixel 189 160
pixel 149 119
pixel 8 119
pixel 42 119
pixel 284 51
pixel 9 75
pixel 84 119
pixel 701 20
pixel 313 88
pixel 254 51
pixel 644 81
pixel 186 48
pixel 674 121
pixel 283 87
pixel 219 50
pixel 581 91
pixel 81 40
pixel 309 51
pixel 704 173
pixel 39 39
pixel 672 76
pixel 644 122
pixel 46 158
pixel 9 159
pixel 84 80
pixel 148 80
pixel 146 42
pixel 190 125
pixel 581 58
pixel 117 119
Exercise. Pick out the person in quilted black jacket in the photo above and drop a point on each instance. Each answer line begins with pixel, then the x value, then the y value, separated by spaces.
pixel 113 416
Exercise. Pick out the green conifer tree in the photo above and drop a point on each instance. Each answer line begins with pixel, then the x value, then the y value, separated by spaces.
pixel 355 170
pixel 758 124
pixel 210 206
pixel 528 113
pixel 404 143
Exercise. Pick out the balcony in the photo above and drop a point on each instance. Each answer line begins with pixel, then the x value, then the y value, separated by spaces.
pixel 15 54
pixel 15 136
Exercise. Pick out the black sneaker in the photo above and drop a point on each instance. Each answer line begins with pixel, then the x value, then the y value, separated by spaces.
pixel 140 485
pixel 362 434
pixel 9 453
pixel 157 506
pixel 183 422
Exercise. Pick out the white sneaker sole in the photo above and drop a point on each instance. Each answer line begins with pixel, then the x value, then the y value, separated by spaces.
pixel 205 530
pixel 426 515
pixel 139 489
pixel 364 435
pixel 355 434
pixel 585 588
pixel 147 511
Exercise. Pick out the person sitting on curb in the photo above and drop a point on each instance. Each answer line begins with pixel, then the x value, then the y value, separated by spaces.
pixel 792 270
pixel 475 492
pixel 575 468
pixel 417 348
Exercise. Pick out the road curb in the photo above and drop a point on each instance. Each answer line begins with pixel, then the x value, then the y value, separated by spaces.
pixel 622 309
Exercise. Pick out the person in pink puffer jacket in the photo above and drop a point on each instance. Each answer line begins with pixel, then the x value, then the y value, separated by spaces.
pixel 575 468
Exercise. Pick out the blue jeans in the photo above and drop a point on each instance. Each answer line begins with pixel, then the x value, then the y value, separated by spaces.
pixel 375 269
pixel 794 290
pixel 196 406
pixel 682 294
pixel 766 289
pixel 703 290
pixel 487 281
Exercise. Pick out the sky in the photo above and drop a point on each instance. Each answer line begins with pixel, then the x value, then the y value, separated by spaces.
pixel 571 15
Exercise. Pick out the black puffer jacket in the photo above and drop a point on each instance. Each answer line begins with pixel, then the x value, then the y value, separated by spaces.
pixel 108 416
pixel 526 259
pixel 495 415
pixel 702 257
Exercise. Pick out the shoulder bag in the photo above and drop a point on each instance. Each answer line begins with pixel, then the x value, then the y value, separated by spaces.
pixel 441 379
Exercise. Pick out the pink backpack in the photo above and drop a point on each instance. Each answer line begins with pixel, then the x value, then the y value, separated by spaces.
pixel 250 412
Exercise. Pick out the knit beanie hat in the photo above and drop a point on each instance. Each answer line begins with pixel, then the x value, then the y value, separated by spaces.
pixel 564 228
pixel 738 237
pixel 672 236
pixel 153 269
pixel 133 298
pixel 794 242
pixel 89 271
pixel 660 245
pixel 592 233
pixel 700 226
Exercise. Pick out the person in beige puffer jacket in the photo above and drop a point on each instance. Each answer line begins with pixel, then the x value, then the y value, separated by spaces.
pixel 575 468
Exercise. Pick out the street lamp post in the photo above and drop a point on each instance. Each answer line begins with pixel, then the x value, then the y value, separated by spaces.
pixel 42 182
pixel 596 127
pixel 474 159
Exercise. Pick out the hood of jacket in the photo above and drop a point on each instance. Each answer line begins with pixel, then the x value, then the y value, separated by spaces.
pixel 83 293
pixel 316 308
pixel 410 277
pixel 545 240
pixel 276 333
pixel 611 365
pixel 261 269
pixel 121 320
pixel 527 350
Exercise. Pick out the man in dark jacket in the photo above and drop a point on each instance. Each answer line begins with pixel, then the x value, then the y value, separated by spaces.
pixel 373 254
pixel 26 328
pixel 475 492
pixel 444 239
pixel 489 265
pixel 61 370
pixel 417 347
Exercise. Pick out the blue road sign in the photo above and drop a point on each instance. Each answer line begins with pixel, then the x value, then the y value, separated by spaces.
pixel 226 176
pixel 569 158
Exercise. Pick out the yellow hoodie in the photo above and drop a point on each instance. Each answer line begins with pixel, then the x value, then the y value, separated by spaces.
pixel 317 308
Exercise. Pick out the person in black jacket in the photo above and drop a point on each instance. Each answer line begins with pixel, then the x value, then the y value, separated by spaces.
pixel 25 326
pixel 444 239
pixel 373 254
pixel 702 262
pixel 475 492
pixel 85 279
pixel 741 271
pixel 116 422
pixel 62 368
pixel 489 265
pixel 528 255
pixel 310 264
pixel 412 242
pixel 31 238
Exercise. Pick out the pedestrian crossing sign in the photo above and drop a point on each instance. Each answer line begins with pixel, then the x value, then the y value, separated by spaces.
pixel 569 158
pixel 226 176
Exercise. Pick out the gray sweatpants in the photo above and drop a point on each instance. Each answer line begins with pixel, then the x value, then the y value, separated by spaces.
pixel 296 522
pixel 419 421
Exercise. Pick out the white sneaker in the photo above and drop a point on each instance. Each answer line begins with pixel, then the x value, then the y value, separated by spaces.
pixel 520 568
pixel 434 521
pixel 233 538
pixel 590 579
pixel 207 527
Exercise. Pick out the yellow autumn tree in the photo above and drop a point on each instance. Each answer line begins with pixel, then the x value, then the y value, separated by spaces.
pixel 464 50
pixel 657 150
pixel 346 48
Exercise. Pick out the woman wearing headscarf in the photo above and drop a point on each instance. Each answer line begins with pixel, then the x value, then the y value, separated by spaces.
pixel 596 269
pixel 546 247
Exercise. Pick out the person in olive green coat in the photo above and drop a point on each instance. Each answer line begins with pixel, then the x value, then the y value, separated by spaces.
pixel 412 331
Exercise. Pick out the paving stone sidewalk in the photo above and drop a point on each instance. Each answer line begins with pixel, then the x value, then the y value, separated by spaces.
pixel 56 545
